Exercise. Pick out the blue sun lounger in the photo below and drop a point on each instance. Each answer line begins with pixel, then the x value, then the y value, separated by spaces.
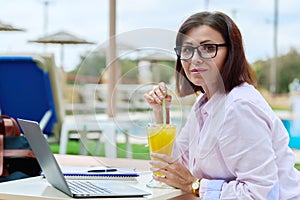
pixel 26 91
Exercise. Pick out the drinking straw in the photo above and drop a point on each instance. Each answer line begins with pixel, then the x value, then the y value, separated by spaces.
pixel 164 111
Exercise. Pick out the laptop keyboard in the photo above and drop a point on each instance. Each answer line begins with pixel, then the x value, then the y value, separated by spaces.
pixel 86 187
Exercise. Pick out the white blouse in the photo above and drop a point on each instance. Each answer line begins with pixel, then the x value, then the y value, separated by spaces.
pixel 237 144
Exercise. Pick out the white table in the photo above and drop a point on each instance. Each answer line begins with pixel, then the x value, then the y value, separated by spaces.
pixel 39 188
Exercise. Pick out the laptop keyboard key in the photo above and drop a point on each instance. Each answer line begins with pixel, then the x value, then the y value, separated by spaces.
pixel 87 188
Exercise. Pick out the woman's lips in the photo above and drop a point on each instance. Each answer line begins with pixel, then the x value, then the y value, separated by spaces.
pixel 198 70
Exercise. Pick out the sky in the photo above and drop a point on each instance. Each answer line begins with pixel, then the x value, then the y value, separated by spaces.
pixel 89 19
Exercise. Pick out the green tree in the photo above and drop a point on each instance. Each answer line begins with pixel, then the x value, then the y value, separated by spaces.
pixel 262 71
pixel 91 65
pixel 130 73
pixel 129 70
pixel 288 68
pixel 94 64
pixel 166 71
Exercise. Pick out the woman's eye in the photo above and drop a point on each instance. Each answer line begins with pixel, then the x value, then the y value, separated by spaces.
pixel 186 49
pixel 209 48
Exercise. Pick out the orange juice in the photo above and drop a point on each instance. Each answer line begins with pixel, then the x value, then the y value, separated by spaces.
pixel 161 139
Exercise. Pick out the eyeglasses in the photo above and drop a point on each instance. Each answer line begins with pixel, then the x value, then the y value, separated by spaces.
pixel 205 51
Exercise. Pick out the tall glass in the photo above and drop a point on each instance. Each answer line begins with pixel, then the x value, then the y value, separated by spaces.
pixel 161 140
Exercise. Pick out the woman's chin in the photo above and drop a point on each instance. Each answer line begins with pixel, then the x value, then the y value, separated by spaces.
pixel 198 82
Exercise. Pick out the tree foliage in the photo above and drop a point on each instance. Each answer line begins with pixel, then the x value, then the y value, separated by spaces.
pixel 162 70
pixel 91 64
pixel 129 70
pixel 288 68
pixel 94 65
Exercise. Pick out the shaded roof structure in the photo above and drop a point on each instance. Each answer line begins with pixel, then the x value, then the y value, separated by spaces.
pixel 8 27
pixel 61 37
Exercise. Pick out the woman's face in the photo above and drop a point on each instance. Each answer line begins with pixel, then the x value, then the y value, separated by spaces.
pixel 204 71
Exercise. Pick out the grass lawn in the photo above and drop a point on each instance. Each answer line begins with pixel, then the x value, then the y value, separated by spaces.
pixel 140 151
pixel 297 165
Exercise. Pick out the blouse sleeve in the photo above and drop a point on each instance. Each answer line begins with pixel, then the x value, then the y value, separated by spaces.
pixel 246 147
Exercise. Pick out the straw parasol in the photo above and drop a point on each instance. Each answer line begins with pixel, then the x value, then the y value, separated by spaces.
pixel 61 37
pixel 8 27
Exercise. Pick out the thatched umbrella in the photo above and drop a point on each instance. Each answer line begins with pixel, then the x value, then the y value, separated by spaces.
pixel 8 27
pixel 61 38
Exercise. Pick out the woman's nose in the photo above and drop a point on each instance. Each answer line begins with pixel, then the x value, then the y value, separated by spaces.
pixel 197 58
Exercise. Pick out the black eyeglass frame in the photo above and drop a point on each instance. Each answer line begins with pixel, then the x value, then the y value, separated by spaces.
pixel 178 50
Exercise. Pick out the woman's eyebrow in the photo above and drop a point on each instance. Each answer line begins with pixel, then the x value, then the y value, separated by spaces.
pixel 189 43
pixel 205 41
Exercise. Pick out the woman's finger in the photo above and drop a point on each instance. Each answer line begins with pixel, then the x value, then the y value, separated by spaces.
pixel 159 94
pixel 172 178
pixel 163 157
pixel 165 179
pixel 152 98
pixel 148 98
pixel 163 87
pixel 158 164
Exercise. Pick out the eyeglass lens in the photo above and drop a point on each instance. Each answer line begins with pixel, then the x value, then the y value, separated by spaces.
pixel 204 51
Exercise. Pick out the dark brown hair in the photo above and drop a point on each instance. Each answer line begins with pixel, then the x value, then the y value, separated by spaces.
pixel 236 69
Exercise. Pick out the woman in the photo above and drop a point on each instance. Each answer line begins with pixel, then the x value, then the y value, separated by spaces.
pixel 232 146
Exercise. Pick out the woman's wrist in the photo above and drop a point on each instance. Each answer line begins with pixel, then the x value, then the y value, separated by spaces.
pixel 196 187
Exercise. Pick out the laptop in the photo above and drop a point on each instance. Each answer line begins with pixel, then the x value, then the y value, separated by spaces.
pixel 73 188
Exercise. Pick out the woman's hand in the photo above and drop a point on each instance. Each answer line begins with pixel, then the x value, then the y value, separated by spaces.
pixel 155 97
pixel 175 174
pixel 157 94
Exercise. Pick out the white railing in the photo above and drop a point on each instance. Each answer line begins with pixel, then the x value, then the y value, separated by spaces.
pixel 131 111
pixel 130 97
